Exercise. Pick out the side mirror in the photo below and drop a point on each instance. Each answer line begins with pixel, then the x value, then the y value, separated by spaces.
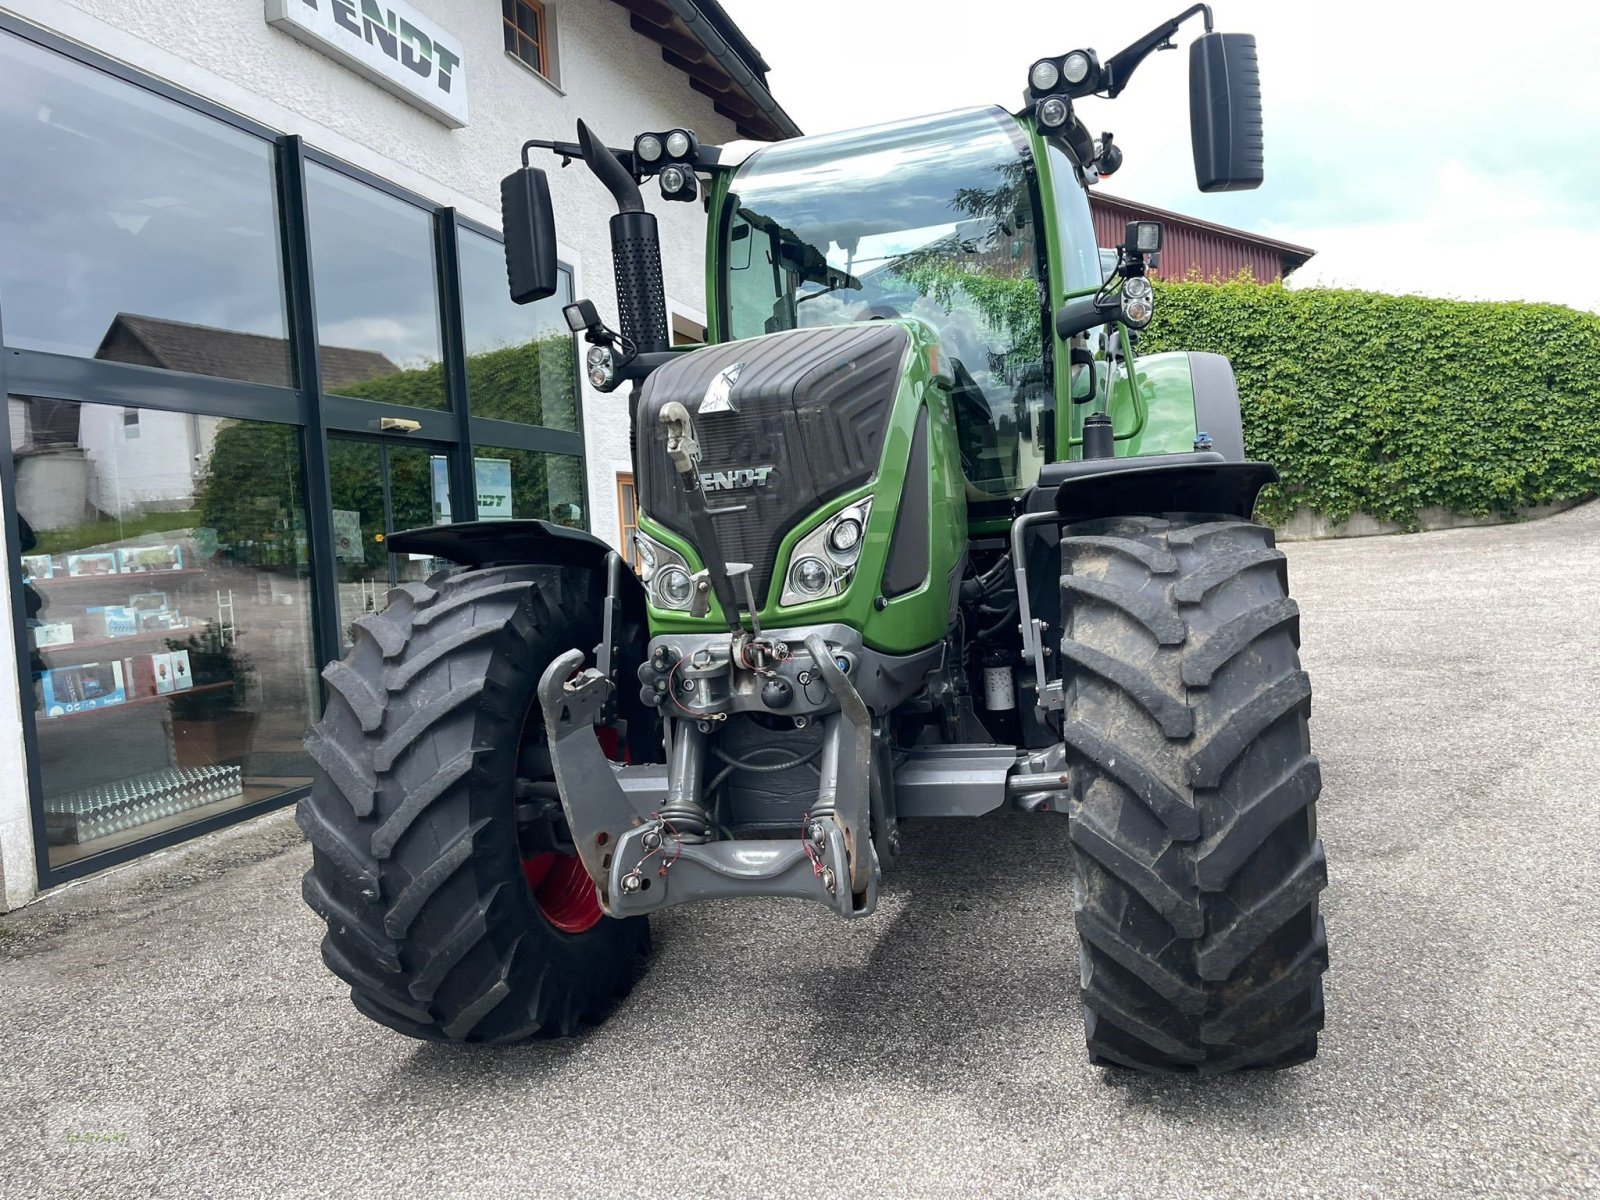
pixel 529 222
pixel 1225 112
pixel 1083 375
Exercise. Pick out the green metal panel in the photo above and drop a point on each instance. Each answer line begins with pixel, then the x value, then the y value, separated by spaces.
pixel 906 623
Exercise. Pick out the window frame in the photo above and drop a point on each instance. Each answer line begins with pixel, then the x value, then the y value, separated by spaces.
pixel 512 32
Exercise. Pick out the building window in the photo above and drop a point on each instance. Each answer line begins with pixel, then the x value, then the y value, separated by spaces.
pixel 527 33
pixel 133 229
pixel 168 610
pixel 521 359
pixel 529 485
pixel 372 265
pixel 628 516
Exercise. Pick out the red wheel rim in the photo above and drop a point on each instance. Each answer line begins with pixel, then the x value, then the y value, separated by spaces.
pixel 563 890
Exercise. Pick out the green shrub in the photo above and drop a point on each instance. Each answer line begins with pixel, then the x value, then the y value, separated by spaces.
pixel 1388 404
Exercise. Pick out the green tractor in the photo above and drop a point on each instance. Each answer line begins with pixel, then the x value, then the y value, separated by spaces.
pixel 919 537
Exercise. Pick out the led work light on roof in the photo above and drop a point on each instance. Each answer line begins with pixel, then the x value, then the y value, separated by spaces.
pixel 647 148
pixel 680 144
pixel 678 183
pixel 1052 112
pixel 1076 66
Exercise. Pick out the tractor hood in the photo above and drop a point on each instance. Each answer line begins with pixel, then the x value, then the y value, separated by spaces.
pixel 785 423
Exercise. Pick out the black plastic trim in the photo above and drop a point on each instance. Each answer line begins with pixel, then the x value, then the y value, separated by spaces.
pixel 1202 482
pixel 906 568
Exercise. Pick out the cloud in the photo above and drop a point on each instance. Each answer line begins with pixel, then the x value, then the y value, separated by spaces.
pixel 1415 150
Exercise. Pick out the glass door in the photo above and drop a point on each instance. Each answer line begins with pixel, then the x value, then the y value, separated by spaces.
pixel 381 486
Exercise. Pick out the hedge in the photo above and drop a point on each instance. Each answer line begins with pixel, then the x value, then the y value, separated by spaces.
pixel 1389 404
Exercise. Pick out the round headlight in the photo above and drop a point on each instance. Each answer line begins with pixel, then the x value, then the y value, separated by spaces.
pixel 810 577
pixel 1052 112
pixel 1137 313
pixel 1137 287
pixel 647 556
pixel 1075 67
pixel 845 537
pixel 602 368
pixel 673 179
pixel 1044 75
pixel 677 143
pixel 674 587
pixel 647 148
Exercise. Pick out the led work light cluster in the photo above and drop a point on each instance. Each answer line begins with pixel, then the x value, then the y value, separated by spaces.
pixel 824 561
pixel 1054 82
pixel 670 157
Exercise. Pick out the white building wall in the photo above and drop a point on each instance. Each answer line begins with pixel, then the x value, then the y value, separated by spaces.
pixel 612 77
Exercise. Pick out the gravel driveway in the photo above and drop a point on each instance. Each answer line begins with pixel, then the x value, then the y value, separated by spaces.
pixel 169 1030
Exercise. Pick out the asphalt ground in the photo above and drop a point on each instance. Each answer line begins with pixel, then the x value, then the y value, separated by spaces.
pixel 168 1029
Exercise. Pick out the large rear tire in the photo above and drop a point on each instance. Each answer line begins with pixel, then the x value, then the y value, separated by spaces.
pixel 443 928
pixel 1192 812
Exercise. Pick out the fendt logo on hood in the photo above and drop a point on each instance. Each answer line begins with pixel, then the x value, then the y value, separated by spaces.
pixel 732 481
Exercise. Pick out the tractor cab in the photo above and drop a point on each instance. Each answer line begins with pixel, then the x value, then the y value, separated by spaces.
pixel 935 219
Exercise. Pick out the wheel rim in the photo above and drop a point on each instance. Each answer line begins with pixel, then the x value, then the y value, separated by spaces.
pixel 563 890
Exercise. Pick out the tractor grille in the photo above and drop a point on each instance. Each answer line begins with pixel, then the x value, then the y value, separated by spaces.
pixel 812 405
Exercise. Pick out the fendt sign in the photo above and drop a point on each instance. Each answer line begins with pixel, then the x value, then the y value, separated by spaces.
pixel 387 41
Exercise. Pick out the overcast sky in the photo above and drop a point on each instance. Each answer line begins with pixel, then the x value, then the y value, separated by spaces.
pixel 1450 151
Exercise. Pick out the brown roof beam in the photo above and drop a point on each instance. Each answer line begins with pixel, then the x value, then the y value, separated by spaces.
pixel 651 10
pixel 729 104
pixel 673 39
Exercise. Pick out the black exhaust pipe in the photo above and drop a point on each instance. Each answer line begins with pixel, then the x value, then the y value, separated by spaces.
pixel 635 251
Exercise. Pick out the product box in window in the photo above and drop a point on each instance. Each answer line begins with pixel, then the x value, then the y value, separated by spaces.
pixel 148 601
pixel 172 672
pixel 116 620
pixel 159 619
pixel 52 633
pixel 81 688
pixel 37 566
pixel 80 565
pixel 150 560
pixel 139 674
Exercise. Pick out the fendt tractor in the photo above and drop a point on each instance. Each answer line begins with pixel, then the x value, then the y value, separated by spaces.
pixel 919 536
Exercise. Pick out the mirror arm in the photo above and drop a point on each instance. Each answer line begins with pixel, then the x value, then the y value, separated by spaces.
pixel 1119 69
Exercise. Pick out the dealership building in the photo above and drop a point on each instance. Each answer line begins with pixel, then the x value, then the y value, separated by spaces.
pixel 254 317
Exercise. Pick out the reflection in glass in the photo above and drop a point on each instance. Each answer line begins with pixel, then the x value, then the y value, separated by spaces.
pixel 521 361
pixel 929 218
pixel 379 488
pixel 543 487
pixel 134 229
pixel 168 610
pixel 377 306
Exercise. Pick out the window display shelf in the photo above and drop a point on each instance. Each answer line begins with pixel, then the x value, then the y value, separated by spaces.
pixel 48 583
pixel 199 689
pixel 129 639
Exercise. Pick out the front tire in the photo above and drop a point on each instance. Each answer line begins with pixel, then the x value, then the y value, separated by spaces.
pixel 1192 811
pixel 443 928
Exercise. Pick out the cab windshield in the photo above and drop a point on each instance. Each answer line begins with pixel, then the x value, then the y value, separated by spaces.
pixel 930 218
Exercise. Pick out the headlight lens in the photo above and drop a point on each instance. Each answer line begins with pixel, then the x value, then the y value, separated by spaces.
pixel 673 587
pixel 1137 312
pixel 845 540
pixel 1044 75
pixel 1075 67
pixel 602 367
pixel 645 549
pixel 811 576
pixel 677 143
pixel 1137 287
pixel 824 561
pixel 647 148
